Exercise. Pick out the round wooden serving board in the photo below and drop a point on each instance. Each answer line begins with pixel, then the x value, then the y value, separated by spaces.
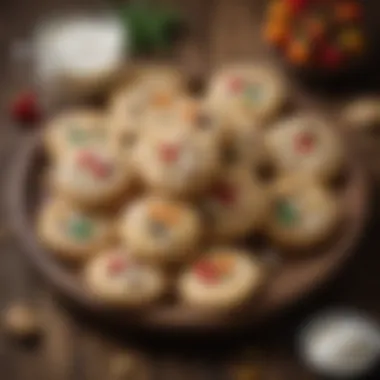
pixel 292 280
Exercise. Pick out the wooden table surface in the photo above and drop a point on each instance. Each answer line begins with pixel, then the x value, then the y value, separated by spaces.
pixel 76 347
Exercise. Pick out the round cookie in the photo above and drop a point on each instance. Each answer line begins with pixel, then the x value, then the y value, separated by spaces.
pixel 117 279
pixel 128 105
pixel 180 154
pixel 74 130
pixel 160 230
pixel 222 278
pixel 302 214
pixel 234 206
pixel 92 177
pixel 307 145
pixel 71 233
pixel 246 94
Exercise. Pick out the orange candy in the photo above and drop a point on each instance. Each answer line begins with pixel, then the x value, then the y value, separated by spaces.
pixel 348 11
pixel 162 99
pixel 225 262
pixel 352 41
pixel 298 53
pixel 276 33
pixel 279 11
pixel 164 213
pixel 316 28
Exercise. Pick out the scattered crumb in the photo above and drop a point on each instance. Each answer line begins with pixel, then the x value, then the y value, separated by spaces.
pixel 20 321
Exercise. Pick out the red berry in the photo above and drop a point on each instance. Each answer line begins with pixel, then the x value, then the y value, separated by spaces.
pixel 25 108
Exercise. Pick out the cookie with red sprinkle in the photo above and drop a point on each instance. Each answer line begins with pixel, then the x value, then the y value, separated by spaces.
pixel 234 205
pixel 223 278
pixel 115 278
pixel 305 144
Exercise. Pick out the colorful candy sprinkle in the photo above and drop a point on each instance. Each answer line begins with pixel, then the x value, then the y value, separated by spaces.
pixel 285 212
pixel 169 153
pixel 305 142
pixel 93 163
pixel 117 266
pixel 81 228
pixel 322 34
pixel 169 214
pixel 236 85
pixel 76 135
pixel 254 92
pixel 207 271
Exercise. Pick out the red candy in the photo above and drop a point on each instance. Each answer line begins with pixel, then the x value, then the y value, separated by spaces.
pixel 117 266
pixel 332 57
pixel 90 161
pixel 25 108
pixel 101 169
pixel 304 143
pixel 224 193
pixel 236 85
pixel 169 153
pixel 207 271
pixel 86 159
pixel 297 5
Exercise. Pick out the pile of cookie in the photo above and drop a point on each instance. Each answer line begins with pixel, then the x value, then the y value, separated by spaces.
pixel 159 193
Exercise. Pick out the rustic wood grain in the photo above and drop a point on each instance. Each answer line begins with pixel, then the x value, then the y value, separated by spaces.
pixel 233 33
pixel 59 348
